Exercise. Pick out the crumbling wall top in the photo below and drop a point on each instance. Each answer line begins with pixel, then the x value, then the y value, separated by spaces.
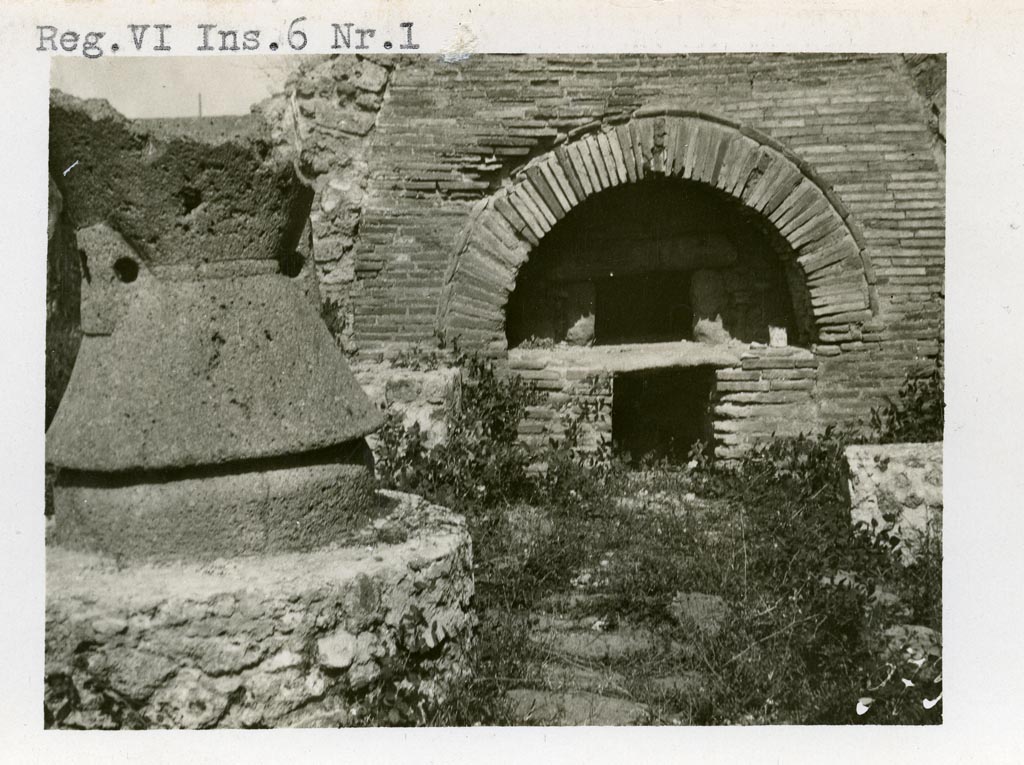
pixel 220 192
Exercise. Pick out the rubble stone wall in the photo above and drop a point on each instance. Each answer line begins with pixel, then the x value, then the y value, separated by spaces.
pixel 329 112
pixel 897 487
pixel 297 639
pixel 420 396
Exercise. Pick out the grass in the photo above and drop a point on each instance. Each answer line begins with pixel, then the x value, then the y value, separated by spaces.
pixel 810 599
pixel 815 607
pixel 795 649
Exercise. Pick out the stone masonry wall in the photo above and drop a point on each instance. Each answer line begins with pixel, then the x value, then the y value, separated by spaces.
pixel 897 488
pixel 422 396
pixel 402 149
pixel 444 137
pixel 315 639
pixel 769 392
pixel 564 387
pixel 329 110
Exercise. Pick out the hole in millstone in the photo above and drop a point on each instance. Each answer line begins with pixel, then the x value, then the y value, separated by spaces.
pixel 127 270
pixel 190 198
pixel 291 264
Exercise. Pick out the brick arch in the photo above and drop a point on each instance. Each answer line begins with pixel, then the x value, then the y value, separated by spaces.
pixel 751 167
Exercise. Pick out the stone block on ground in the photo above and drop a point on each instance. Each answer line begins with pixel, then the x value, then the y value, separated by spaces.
pixel 897 487
pixel 571 601
pixel 565 639
pixel 682 684
pixel 914 640
pixel 572 677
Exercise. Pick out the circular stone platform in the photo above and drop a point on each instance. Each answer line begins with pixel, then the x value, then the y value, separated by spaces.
pixel 304 639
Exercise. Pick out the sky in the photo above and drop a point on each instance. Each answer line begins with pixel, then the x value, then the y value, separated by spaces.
pixel 141 87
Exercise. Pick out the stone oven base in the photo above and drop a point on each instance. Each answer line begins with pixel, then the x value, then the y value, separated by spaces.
pixel 297 639
pixel 749 393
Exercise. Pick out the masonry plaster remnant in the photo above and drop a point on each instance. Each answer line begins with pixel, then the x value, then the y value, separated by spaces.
pixel 209 411
pixel 284 640
pixel 897 488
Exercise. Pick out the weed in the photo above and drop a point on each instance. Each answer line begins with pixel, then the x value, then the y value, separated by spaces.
pixel 482 461
pixel 918 412
pixel 806 636
pixel 333 314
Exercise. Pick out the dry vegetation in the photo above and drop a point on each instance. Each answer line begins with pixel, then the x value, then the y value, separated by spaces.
pixel 591 578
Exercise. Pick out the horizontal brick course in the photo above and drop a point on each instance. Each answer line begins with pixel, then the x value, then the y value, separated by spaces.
pixel 828 143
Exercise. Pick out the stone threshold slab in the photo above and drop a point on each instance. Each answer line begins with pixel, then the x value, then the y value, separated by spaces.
pixel 617 359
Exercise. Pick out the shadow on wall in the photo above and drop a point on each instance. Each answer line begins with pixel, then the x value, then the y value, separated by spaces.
pixel 63 301
pixel 662 413
pixel 658 261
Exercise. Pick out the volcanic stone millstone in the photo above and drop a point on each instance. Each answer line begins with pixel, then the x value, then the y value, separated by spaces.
pixel 208 372
pixel 269 510
pixel 209 412
pixel 174 197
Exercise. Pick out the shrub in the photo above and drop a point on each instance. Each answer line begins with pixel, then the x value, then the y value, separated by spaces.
pixel 806 638
pixel 482 462
pixel 917 414
pixel 806 634
pixel 400 454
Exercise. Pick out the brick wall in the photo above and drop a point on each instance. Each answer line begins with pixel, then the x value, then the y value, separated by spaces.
pixel 770 392
pixel 444 138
